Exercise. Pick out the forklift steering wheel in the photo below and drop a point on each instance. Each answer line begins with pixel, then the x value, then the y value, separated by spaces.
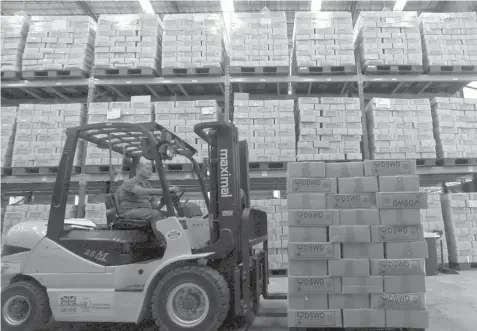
pixel 175 201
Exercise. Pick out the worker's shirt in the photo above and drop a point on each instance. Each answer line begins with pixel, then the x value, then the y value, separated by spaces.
pixel 127 200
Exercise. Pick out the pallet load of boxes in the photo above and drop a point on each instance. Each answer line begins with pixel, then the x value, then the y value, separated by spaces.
pixel 356 245
pixel 13 39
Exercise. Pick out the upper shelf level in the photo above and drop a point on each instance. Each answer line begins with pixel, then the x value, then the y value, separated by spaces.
pixel 266 87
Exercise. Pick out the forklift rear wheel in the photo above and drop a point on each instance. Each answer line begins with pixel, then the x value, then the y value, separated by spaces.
pixel 25 307
pixel 193 298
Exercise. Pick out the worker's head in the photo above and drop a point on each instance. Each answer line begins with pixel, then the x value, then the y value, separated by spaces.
pixel 144 170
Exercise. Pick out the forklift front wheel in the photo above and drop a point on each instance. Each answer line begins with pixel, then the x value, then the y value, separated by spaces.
pixel 193 298
pixel 25 307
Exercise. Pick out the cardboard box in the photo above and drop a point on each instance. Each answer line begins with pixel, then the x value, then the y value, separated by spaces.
pixel 398 267
pixel 348 267
pixel 351 201
pixel 406 250
pixel 307 301
pixel 404 200
pixel 358 217
pixel 344 169
pixel 308 234
pixel 418 319
pixel 391 167
pixel 312 185
pixel 400 216
pixel 362 250
pixel 314 284
pixel 313 217
pixel 396 233
pixel 311 201
pixel 405 284
pixel 361 285
pixel 306 169
pixel 350 233
pixel 314 268
pixel 399 301
pixel 399 183
pixel 314 250
pixel 358 318
pixel 348 301
pixel 358 185
pixel 314 318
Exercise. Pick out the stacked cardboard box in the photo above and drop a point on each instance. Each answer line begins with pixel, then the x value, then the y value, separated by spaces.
pixel 400 129
pixel 40 133
pixel 329 129
pixel 356 250
pixel 449 39
pixel 180 118
pixel 193 41
pixel 138 110
pixel 8 116
pixel 20 213
pixel 323 39
pixel 388 38
pixel 60 43
pixel 128 41
pixel 268 126
pixel 460 222
pixel 259 40
pixel 432 220
pixel 455 127
pixel 14 30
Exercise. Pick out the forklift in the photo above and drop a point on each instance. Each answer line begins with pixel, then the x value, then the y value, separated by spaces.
pixel 197 281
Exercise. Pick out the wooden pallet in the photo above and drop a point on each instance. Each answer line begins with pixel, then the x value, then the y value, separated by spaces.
pixel 264 71
pixel 181 72
pixel 125 72
pixel 457 161
pixel 392 69
pixel 457 69
pixel 278 272
pixel 103 169
pixel 463 266
pixel 11 75
pixel 332 70
pixel 257 166
pixel 40 170
pixel 54 74
pixel 426 162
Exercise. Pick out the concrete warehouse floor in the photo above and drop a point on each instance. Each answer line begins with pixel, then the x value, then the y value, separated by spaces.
pixel 451 301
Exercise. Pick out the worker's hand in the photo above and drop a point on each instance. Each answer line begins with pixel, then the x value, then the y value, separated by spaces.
pixel 175 190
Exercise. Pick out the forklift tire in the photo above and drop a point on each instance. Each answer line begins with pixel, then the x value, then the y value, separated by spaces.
pixel 25 307
pixel 213 290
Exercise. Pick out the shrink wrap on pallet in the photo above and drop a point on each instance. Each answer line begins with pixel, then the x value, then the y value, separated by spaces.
pixel 8 117
pixel 14 30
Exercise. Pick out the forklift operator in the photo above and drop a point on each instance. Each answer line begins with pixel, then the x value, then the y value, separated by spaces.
pixel 137 199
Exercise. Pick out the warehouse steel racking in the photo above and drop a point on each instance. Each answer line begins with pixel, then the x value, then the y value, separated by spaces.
pixel 364 86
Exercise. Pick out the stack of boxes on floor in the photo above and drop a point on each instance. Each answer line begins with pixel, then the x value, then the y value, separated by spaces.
pixel 181 116
pixel 259 40
pixel 60 43
pixel 460 222
pixel 138 110
pixel 13 38
pixel 15 214
pixel 40 133
pixel 449 39
pixel 432 220
pixel 128 41
pixel 455 127
pixel 8 117
pixel 356 245
pixel 323 39
pixel 400 129
pixel 193 41
pixel 329 129
pixel 388 38
pixel 268 126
